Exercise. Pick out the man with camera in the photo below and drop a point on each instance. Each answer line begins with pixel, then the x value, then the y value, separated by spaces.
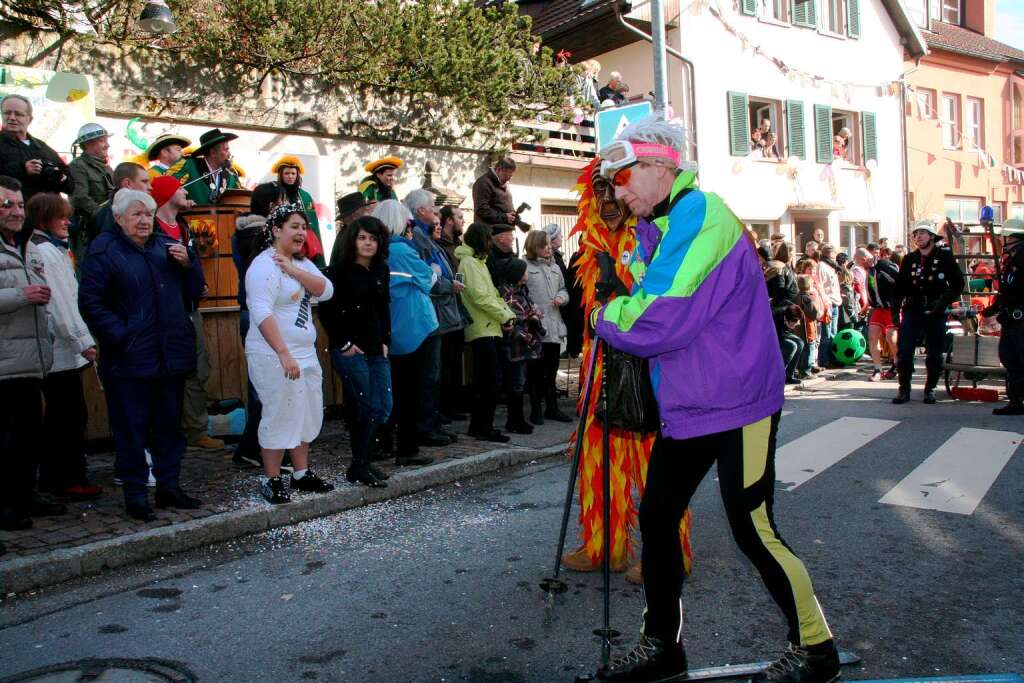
pixel 492 200
pixel 27 159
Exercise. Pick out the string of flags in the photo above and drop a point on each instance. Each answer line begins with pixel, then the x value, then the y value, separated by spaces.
pixel 839 89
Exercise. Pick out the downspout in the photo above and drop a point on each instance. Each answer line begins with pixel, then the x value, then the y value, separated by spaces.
pixel 690 106
pixel 905 151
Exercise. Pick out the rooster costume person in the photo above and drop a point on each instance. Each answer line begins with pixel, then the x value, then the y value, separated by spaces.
pixel 605 225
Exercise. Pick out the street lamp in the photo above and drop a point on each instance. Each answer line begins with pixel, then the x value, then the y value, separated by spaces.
pixel 156 18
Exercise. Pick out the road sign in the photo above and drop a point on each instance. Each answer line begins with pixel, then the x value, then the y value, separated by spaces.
pixel 610 122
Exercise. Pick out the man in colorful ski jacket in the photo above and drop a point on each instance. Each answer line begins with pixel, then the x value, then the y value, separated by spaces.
pixel 699 312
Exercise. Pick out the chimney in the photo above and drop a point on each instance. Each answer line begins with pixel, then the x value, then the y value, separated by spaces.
pixel 980 16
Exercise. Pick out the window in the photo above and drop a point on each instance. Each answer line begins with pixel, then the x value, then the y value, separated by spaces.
pixel 975 127
pixel 853 235
pixel 764 230
pixel 777 10
pixel 926 103
pixel 756 127
pixel 950 116
pixel 997 212
pixel 963 209
pixel 945 10
pixel 1017 211
pixel 835 16
pixel 845 136
pixel 1017 123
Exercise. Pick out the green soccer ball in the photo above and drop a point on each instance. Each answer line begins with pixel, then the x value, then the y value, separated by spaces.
pixel 848 346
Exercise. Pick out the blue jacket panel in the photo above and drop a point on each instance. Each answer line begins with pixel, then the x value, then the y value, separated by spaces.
pixel 131 298
pixel 412 314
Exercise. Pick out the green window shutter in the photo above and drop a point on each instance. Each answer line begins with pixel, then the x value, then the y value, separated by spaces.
pixel 823 133
pixel 749 7
pixel 870 136
pixel 804 13
pixel 739 124
pixel 853 18
pixel 795 129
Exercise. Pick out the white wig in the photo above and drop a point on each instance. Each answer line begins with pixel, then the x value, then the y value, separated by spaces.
pixel 394 215
pixel 657 130
pixel 126 197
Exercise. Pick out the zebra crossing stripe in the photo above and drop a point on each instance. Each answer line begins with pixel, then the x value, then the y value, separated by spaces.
pixel 958 474
pixel 786 412
pixel 802 459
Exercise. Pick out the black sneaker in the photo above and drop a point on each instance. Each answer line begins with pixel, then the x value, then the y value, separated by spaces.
pixel 652 660
pixel 929 396
pixel 378 472
pixel 902 396
pixel 813 664
pixel 1011 408
pixel 274 491
pixel 311 483
pixel 176 498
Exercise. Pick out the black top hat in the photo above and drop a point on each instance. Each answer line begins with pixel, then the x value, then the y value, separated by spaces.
pixel 350 203
pixel 211 138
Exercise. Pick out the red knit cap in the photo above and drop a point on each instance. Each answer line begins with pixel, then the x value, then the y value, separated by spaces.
pixel 163 188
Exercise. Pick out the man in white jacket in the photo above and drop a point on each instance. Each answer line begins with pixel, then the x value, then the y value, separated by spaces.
pixel 828 275
pixel 25 357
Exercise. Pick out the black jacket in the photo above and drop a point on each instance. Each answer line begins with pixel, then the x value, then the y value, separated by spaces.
pixel 928 283
pixel 492 202
pixel 14 154
pixel 1009 302
pixel 782 292
pixel 497 261
pixel 361 312
pixel 882 284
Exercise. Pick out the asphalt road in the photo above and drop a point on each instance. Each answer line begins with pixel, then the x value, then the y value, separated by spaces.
pixel 443 586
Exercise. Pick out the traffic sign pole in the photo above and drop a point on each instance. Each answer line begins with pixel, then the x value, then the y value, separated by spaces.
pixel 660 58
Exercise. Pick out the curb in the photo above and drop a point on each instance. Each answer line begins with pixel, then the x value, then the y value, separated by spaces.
pixel 48 569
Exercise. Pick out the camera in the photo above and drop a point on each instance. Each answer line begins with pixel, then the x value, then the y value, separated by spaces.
pixel 520 223
pixel 51 173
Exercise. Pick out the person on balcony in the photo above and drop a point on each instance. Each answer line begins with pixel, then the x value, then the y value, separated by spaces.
pixel 612 90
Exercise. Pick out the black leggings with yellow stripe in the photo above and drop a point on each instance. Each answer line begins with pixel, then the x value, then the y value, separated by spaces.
pixel 746 476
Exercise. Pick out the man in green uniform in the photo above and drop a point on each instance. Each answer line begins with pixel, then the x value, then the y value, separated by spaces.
pixel 165 154
pixel 929 281
pixel 1009 309
pixel 208 172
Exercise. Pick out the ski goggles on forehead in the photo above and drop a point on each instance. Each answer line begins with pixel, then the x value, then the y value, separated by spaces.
pixel 622 154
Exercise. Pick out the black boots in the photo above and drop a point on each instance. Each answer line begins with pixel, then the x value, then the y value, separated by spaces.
pixel 1011 408
pixel 176 498
pixel 902 396
pixel 811 664
pixel 516 423
pixel 363 437
pixel 651 660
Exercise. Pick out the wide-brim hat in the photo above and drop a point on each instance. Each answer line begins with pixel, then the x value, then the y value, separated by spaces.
pixel 1013 228
pixel 288 160
pixel 351 203
pixel 90 132
pixel 163 141
pixel 384 164
pixel 211 138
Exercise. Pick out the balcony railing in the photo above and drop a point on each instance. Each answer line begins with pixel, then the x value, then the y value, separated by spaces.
pixel 557 143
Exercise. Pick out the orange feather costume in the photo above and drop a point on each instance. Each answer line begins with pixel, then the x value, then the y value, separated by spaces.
pixel 629 451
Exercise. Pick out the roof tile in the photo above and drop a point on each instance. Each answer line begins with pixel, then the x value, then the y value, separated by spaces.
pixel 943 36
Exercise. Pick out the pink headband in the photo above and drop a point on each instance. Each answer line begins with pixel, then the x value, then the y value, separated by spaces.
pixel 650 149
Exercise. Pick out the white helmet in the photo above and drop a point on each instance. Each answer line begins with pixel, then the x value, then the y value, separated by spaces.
pixel 89 132
pixel 927 225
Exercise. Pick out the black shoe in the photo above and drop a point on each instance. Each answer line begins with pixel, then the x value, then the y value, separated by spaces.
pixel 378 472
pixel 176 498
pixel 411 460
pixel 652 660
pixel 493 435
pixel 902 396
pixel 433 439
pixel 519 428
pixel 452 438
pixel 364 476
pixel 929 396
pixel 536 416
pixel 1011 408
pixel 40 508
pixel 14 521
pixel 813 664
pixel 246 460
pixel 792 380
pixel 274 491
pixel 140 511
pixel 553 413
pixel 310 483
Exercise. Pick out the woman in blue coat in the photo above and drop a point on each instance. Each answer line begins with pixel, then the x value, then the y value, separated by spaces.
pixel 412 320
pixel 131 294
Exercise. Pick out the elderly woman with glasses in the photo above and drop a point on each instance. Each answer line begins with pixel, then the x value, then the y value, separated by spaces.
pixel 133 285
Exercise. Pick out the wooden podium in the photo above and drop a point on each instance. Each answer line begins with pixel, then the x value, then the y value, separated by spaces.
pixel 218 219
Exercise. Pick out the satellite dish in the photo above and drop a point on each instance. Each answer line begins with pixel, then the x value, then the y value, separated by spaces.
pixel 156 18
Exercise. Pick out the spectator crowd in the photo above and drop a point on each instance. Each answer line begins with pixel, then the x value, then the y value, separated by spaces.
pixel 100 272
